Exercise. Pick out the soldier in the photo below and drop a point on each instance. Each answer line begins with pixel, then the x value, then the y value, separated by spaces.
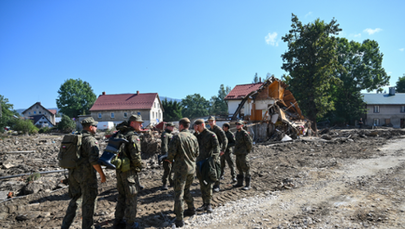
pixel 166 137
pixel 183 149
pixel 227 156
pixel 208 147
pixel 128 182
pixel 223 142
pixel 243 146
pixel 82 179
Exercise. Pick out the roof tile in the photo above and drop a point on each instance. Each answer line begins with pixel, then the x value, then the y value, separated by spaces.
pixel 124 102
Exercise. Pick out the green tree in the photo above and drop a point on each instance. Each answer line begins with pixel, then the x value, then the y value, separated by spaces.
pixel 400 88
pixel 66 124
pixel 26 126
pixel 218 104
pixel 172 110
pixel 311 61
pixel 363 70
pixel 7 113
pixel 255 79
pixel 195 106
pixel 76 97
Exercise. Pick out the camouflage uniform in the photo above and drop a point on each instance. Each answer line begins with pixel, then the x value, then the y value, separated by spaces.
pixel 83 183
pixel 227 156
pixel 127 182
pixel 209 146
pixel 243 146
pixel 166 137
pixel 183 149
pixel 223 143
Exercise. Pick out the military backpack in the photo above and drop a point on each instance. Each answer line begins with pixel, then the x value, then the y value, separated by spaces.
pixel 69 153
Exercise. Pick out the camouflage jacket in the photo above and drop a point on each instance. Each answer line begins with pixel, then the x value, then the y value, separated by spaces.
pixel 166 137
pixel 184 150
pixel 90 149
pixel 243 143
pixel 208 145
pixel 222 139
pixel 133 148
pixel 231 140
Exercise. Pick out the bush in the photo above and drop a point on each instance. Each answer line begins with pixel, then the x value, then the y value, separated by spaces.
pixel 45 130
pixel 25 126
pixel 66 124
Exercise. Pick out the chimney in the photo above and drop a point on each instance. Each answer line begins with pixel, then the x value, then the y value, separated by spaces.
pixel 391 91
pixel 137 92
pixel 103 93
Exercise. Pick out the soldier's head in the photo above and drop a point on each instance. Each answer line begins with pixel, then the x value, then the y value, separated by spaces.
pixel 135 121
pixel 90 125
pixel 184 123
pixel 211 121
pixel 199 125
pixel 239 125
pixel 169 126
pixel 225 126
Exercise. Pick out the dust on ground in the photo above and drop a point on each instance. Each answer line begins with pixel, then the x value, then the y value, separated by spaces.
pixel 343 179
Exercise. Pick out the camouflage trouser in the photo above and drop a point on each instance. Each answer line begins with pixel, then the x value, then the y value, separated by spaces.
pixel 206 189
pixel 167 172
pixel 82 190
pixel 182 183
pixel 242 164
pixel 227 158
pixel 127 186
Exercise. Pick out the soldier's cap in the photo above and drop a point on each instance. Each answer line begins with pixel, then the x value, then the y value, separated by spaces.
pixel 169 124
pixel 136 118
pixel 90 121
pixel 211 118
pixel 198 121
pixel 186 120
pixel 240 122
pixel 226 124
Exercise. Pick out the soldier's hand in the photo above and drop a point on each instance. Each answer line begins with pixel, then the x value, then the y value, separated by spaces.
pixel 103 179
pixel 221 153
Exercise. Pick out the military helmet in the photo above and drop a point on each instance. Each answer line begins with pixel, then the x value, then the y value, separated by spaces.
pixel 136 118
pixel 89 121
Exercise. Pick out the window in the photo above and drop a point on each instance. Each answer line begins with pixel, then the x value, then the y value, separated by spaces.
pixel 35 112
pixel 402 109
pixel 376 122
pixel 39 112
pixel 125 114
pixel 153 114
pixel 99 115
pixel 112 114
pixel 29 113
pixel 376 109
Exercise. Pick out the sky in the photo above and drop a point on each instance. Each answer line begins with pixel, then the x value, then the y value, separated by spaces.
pixel 173 48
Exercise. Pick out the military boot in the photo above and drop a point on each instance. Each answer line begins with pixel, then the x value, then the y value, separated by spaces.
pixel 202 208
pixel 134 225
pixel 164 186
pixel 179 223
pixel 240 181
pixel 209 208
pixel 216 187
pixel 189 212
pixel 118 224
pixel 247 180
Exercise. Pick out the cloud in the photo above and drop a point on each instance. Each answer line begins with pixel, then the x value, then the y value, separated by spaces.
pixel 357 35
pixel 402 49
pixel 308 14
pixel 372 31
pixel 271 39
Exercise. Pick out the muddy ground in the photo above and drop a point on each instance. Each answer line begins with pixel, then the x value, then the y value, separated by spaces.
pixel 343 179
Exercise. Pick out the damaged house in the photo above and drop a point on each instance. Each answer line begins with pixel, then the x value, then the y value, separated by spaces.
pixel 273 112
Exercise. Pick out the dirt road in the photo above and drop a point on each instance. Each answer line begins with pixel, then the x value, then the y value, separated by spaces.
pixel 354 180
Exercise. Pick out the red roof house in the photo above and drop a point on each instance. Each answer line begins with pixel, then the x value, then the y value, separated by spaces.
pixel 238 93
pixel 119 107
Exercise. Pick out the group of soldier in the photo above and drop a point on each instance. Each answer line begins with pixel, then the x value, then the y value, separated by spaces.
pixel 184 155
pixel 199 153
